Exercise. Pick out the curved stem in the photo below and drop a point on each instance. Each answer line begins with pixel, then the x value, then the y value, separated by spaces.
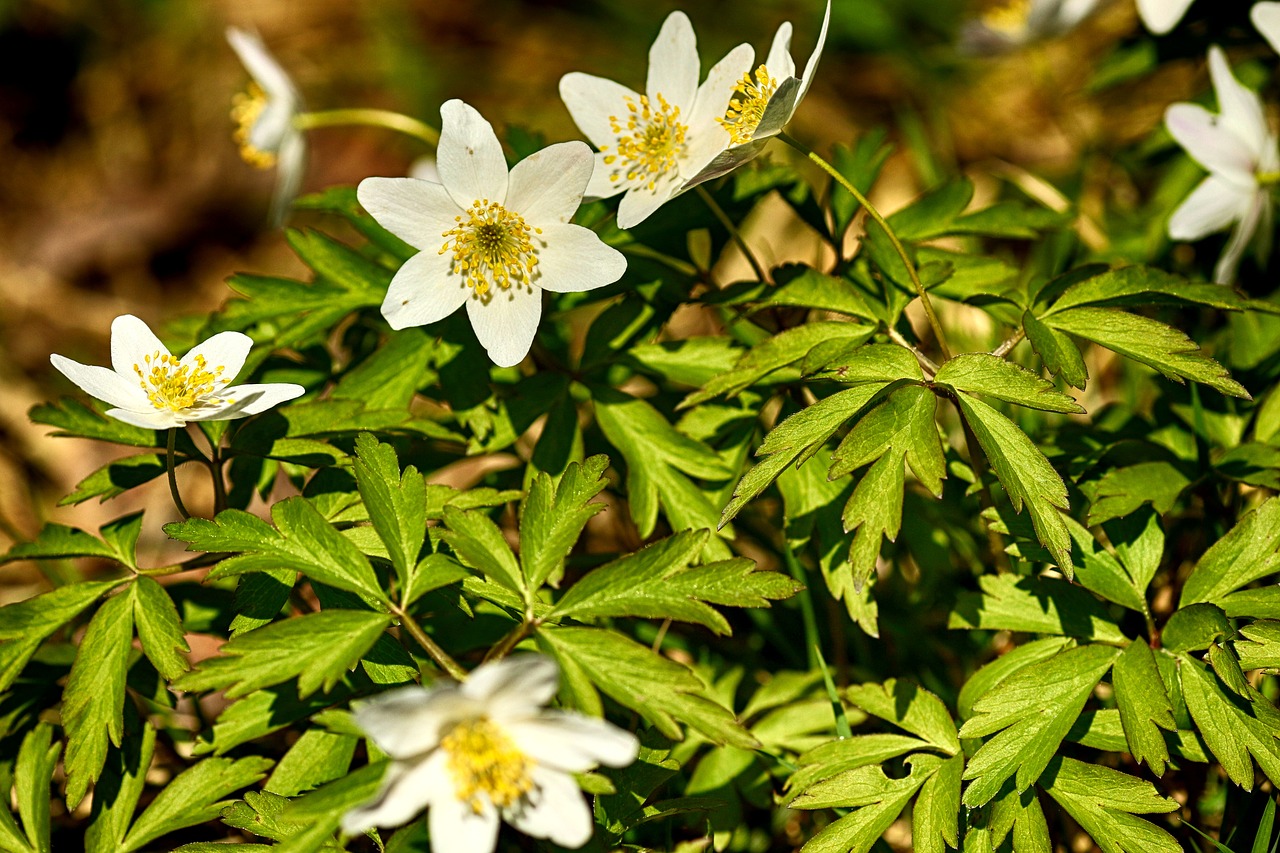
pixel 728 223
pixel 1007 347
pixel 173 480
pixel 373 118
pixel 509 642
pixel 925 362
pixel 812 640
pixel 437 654
pixel 893 238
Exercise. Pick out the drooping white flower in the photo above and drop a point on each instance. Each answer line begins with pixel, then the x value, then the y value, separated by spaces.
pixel 1008 24
pixel 488 238
pixel 486 751
pixel 153 389
pixel 764 102
pixel 1160 16
pixel 1239 151
pixel 650 145
pixel 264 117
pixel 1266 18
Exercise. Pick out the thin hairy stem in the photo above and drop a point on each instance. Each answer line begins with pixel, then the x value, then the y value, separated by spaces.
pixel 718 212
pixel 173 479
pixel 1007 347
pixel 927 363
pixel 372 118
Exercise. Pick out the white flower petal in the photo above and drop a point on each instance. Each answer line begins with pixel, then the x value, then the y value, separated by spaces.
pixel 418 212
pixel 424 290
pixel 469 156
pixel 725 162
pixel 131 342
pixel 102 383
pixel 1212 206
pixel 520 684
pixel 546 187
pixel 1214 147
pixel 457 828
pixel 407 788
pixel 1072 12
pixel 811 67
pixel 555 810
pixel 780 109
pixel 1240 108
pixel 248 400
pixel 1225 270
pixel 640 202
pixel 602 184
pixel 291 168
pixel 1266 17
pixel 406 722
pixel 706 138
pixel 591 101
pixel 153 419
pixel 673 63
pixel 576 259
pixel 261 65
pixel 227 350
pixel 573 743
pixel 507 322
pixel 779 61
pixel 1160 16
pixel 424 169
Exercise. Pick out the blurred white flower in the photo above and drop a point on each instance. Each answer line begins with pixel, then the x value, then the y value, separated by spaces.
pixel 1008 24
pixel 264 117
pixel 1239 151
pixel 650 145
pixel 488 238
pixel 1160 16
pixel 483 751
pixel 424 169
pixel 152 389
pixel 1266 17
pixel 763 103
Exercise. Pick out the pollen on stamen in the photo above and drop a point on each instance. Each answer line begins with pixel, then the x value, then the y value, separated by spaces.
pixel 246 107
pixel 651 139
pixel 747 105
pixel 173 386
pixel 485 764
pixel 492 245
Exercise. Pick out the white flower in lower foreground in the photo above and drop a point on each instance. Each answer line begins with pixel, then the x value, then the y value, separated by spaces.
pixel 1160 16
pixel 764 102
pixel 264 118
pixel 155 390
pixel 1266 18
pixel 483 751
pixel 488 238
pixel 1007 24
pixel 652 144
pixel 1240 153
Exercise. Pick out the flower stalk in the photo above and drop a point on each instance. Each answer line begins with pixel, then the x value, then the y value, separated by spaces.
pixel 718 212
pixel 386 119
pixel 430 646
pixel 173 479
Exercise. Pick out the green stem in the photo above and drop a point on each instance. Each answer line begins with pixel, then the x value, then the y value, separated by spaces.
pixel 812 641
pixel 173 479
pixel 893 238
pixel 437 654
pixel 372 118
pixel 728 223
pixel 509 642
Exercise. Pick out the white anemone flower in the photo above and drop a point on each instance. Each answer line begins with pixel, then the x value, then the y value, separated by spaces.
pixel 264 117
pixel 486 751
pixel 1008 24
pixel 763 103
pixel 650 145
pixel 492 239
pixel 153 389
pixel 1266 17
pixel 1160 16
pixel 1239 151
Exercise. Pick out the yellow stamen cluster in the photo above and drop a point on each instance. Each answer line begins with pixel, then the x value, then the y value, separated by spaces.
pixel 492 246
pixel 171 385
pixel 486 764
pixel 746 105
pixel 246 107
pixel 650 141
pixel 1007 16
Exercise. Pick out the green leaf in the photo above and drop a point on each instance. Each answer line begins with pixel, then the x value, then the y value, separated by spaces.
pixel 318 649
pixel 73 418
pixel 880 799
pixel 116 794
pixel 33 774
pixel 1026 475
pixel 480 544
pixel 1232 732
pixel 1153 343
pixel 995 672
pixel 117 477
pixel 909 707
pixel 1144 705
pixel 1195 627
pixel 658 582
pixel 25 625
pixel 1104 802
pixel 397 503
pixel 260 814
pixel 690 361
pixel 392 374
pixel 1022 815
pixel 304 542
pixel 194 797
pixel 1032 711
pixel 314 759
pixel 432 572
pixel 1122 491
pixel 992 376
pixel 805 287
pixel 263 712
pixel 320 812
pixel 1138 287
pixel 1039 605
pixel 159 628
pixel 57 541
pixel 553 516
pixel 93 704
pixel 934 826
pixel 1261 647
pixel 933 213
pixel 1060 354
pixel 1249 551
pixel 848 753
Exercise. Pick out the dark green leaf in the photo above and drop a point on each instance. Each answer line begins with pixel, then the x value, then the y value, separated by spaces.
pixel 1061 356
pixel 1195 627
pixel 314 759
pixel 1122 491
pixel 1104 802
pixel 1249 551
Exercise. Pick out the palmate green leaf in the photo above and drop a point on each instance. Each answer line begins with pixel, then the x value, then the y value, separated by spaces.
pixel 1032 711
pixel 1104 730
pixel 194 797
pixel 800 286
pixel 1020 814
pixel 317 648
pixel 33 774
pixel 397 503
pixel 304 542
pixel 1106 803
pixel 658 582
pixel 1260 647
pixel 848 753
pixel 1100 572
pixel 1232 728
pixel 1026 475
pixel 93 703
pixel 689 361
pixel 1151 342
pixel 159 628
pixel 877 799
pixel 117 477
pixel 1249 551
pixel 335 261
pixel 1195 627
pixel 1122 491
pixel 432 572
pixel 1144 705
pixel 1039 605
pixel 116 794
pixel 553 515
pixel 314 759
pixel 1060 354
pixel 909 707
pixel 992 376
pixel 933 213
pixel 479 543
pixel 1003 667
pixel 440 498
pixel 390 376
pixel 934 819
pixel 57 541
pixel 25 625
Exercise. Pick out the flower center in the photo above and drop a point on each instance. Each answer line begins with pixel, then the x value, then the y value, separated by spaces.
pixel 746 105
pixel 650 141
pixel 485 763
pixel 174 386
pixel 1007 16
pixel 246 107
pixel 492 245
